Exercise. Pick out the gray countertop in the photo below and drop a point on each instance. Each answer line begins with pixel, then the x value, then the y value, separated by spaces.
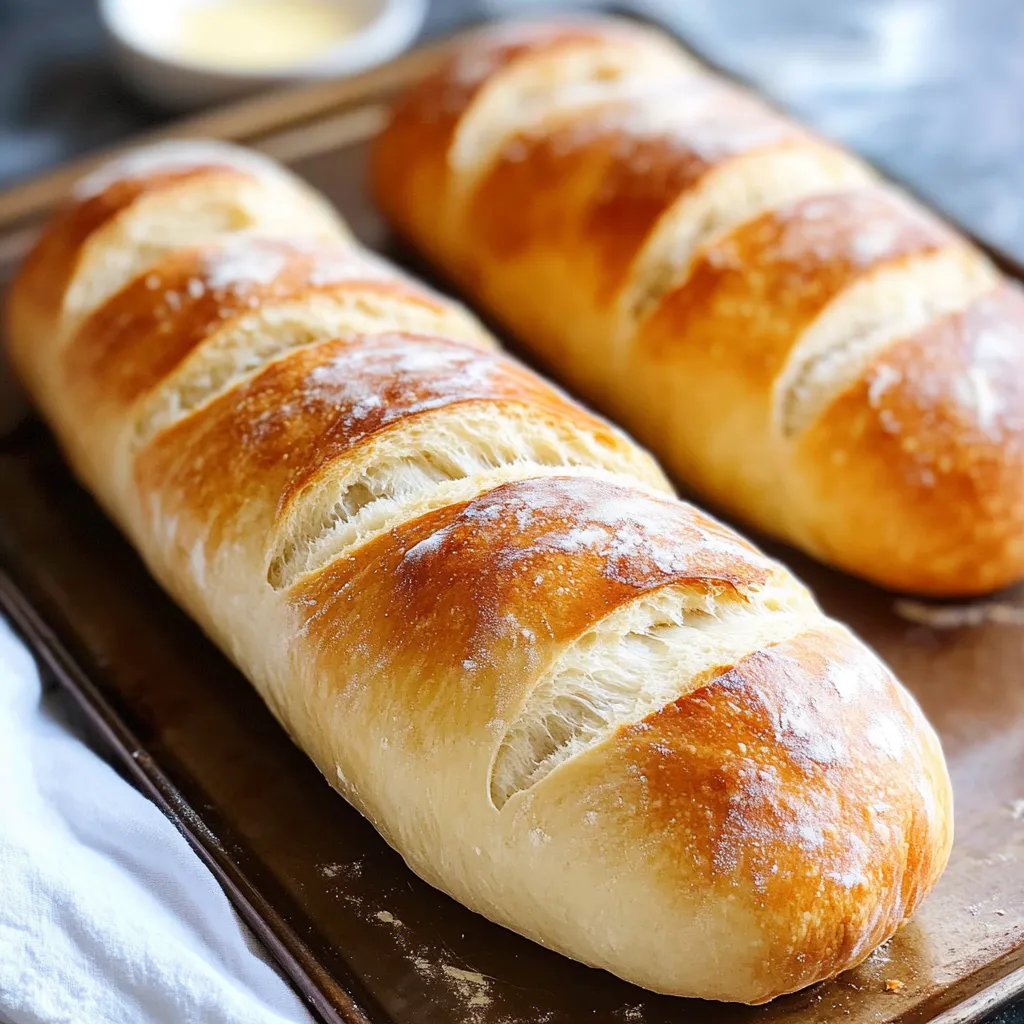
pixel 931 90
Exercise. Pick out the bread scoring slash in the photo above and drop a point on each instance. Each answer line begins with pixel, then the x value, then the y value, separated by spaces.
pixel 581 707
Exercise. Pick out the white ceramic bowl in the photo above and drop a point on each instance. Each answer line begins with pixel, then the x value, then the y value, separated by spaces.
pixel 141 29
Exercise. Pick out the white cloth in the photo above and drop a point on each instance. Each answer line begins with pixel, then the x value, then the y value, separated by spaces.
pixel 106 914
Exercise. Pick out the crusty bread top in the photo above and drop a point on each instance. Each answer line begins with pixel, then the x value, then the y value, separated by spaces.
pixel 195 293
pixel 79 261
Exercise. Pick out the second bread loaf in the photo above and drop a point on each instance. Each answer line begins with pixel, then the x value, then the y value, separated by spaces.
pixel 794 338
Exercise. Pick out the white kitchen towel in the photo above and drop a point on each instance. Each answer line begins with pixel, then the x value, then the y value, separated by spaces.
pixel 106 914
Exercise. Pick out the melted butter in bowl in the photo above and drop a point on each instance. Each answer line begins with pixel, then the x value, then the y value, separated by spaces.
pixel 261 35
pixel 188 53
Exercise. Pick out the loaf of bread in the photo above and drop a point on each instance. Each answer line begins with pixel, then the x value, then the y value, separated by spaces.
pixel 579 706
pixel 793 337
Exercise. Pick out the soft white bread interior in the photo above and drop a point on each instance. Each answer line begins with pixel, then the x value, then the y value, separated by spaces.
pixel 732 290
pixel 572 702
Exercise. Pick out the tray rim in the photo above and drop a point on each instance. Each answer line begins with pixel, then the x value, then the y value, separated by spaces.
pixel 261 122
pixel 244 121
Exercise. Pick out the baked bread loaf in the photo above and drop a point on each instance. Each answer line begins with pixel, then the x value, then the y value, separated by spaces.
pixel 577 705
pixel 793 337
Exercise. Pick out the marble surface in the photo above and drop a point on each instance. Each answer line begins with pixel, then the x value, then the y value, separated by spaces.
pixel 932 90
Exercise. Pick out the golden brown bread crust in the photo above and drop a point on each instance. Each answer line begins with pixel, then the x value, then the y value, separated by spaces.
pixel 263 442
pixel 603 187
pixel 752 294
pixel 777 782
pixel 476 605
pixel 139 337
pixel 130 213
pixel 718 280
pixel 514 588
pixel 50 264
pixel 930 442
pixel 718 773
pixel 34 311
pixel 430 115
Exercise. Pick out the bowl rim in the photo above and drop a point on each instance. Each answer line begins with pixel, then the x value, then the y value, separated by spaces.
pixel 391 27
